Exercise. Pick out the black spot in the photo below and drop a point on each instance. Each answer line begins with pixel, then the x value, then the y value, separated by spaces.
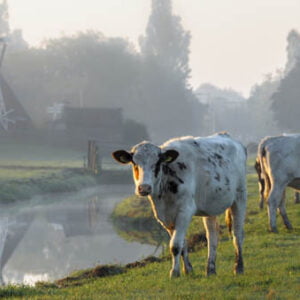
pixel 217 177
pixel 211 161
pixel 222 147
pixel 263 152
pixel 168 171
pixel 173 187
pixel 181 166
pixel 227 181
pixel 218 156
pixel 218 189
pixel 175 250
pixel 157 168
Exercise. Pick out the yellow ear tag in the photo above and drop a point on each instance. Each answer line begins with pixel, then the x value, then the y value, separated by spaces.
pixel 123 159
pixel 168 159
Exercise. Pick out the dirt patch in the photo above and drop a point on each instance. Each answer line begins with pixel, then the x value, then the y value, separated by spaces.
pixel 143 263
pixel 99 271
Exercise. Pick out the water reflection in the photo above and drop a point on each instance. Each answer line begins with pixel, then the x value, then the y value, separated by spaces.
pixel 51 236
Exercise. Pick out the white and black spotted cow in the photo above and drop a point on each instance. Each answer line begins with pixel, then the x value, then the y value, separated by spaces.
pixel 278 166
pixel 192 176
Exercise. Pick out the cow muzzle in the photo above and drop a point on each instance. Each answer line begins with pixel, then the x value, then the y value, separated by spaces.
pixel 144 189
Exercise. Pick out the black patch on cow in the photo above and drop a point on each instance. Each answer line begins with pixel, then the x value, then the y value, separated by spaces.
pixel 175 250
pixel 218 156
pixel 181 165
pixel 217 177
pixel 211 161
pixel 168 171
pixel 157 168
pixel 173 187
pixel 263 151
pixel 218 189
pixel 227 181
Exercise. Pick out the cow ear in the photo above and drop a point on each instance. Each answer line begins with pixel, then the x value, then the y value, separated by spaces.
pixel 122 156
pixel 169 156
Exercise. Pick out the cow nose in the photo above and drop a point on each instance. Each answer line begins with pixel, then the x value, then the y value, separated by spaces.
pixel 144 189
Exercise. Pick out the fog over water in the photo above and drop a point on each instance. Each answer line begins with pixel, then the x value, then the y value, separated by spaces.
pixel 56 235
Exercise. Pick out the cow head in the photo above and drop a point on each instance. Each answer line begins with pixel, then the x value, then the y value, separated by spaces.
pixel 146 160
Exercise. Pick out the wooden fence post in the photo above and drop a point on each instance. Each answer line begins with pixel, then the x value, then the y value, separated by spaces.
pixel 93 157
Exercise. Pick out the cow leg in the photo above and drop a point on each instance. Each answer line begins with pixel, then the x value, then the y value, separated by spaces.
pixel 177 242
pixel 273 203
pixel 187 266
pixel 261 184
pixel 283 213
pixel 297 198
pixel 238 211
pixel 210 224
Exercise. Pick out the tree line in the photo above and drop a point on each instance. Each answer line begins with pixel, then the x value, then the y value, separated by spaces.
pixel 150 84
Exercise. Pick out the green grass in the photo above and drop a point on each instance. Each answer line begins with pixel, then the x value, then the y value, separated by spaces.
pixel 272 268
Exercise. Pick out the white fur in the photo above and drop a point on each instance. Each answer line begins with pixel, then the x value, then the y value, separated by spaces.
pixel 279 159
pixel 207 178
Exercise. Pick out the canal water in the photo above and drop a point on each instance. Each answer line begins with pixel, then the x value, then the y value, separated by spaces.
pixel 48 237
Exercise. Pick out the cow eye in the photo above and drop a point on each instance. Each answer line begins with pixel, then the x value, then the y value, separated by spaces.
pixel 136 172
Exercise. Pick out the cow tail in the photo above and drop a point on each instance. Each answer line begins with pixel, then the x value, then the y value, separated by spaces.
pixel 228 220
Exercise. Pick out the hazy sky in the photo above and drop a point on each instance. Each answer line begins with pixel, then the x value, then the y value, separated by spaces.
pixel 234 42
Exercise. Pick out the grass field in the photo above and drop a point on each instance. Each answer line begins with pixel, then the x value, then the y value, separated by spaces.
pixel 272 268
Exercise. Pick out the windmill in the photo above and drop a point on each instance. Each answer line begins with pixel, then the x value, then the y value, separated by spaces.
pixel 4 113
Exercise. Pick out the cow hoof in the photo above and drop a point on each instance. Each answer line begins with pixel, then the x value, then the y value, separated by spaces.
pixel 273 230
pixel 238 271
pixel 188 269
pixel 211 272
pixel 174 274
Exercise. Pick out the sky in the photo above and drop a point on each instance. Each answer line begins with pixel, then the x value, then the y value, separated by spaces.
pixel 235 43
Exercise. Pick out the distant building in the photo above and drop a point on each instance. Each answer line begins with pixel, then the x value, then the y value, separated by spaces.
pixel 81 124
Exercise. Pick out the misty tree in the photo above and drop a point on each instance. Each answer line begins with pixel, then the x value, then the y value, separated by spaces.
pixel 286 101
pixel 86 69
pixel 166 40
pixel 15 37
pixel 4 19
pixel 293 50
pixel 261 115
pixel 97 70
pixel 167 103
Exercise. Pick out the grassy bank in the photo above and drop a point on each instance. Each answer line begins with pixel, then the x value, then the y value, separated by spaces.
pixel 27 169
pixel 23 188
pixel 272 268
